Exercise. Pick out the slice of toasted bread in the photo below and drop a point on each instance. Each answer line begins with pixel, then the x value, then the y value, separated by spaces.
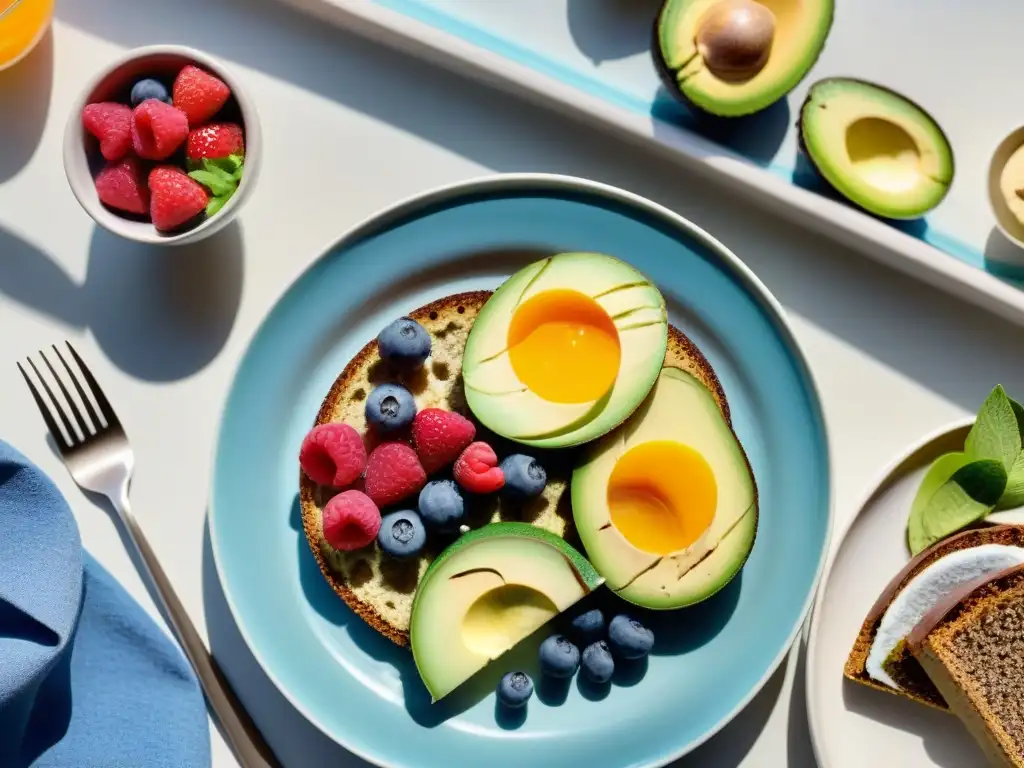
pixel 379 588
pixel 972 647
pixel 901 665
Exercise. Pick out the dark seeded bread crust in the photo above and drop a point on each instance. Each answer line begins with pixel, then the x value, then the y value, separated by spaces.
pixel 343 402
pixel 970 646
pixel 856 669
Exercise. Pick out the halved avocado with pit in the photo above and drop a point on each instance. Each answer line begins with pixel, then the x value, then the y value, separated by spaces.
pixel 736 57
pixel 877 148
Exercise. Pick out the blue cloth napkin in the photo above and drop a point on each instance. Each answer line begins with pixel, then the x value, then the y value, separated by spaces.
pixel 87 679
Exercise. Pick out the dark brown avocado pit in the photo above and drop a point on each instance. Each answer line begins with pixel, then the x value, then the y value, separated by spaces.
pixel 735 38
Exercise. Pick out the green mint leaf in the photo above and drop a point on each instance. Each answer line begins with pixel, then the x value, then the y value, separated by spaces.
pixel 995 434
pixel 949 510
pixel 217 186
pixel 215 204
pixel 965 498
pixel 229 165
pixel 983 480
pixel 1013 496
pixel 214 167
pixel 941 470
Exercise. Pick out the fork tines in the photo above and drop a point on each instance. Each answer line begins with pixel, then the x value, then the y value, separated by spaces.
pixel 77 428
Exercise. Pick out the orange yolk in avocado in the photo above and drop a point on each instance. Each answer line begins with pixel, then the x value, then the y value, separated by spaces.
pixel 564 347
pixel 662 496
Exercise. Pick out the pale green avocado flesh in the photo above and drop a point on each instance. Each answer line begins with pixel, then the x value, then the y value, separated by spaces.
pixel 800 30
pixel 680 410
pixel 487 591
pixel 504 404
pixel 877 148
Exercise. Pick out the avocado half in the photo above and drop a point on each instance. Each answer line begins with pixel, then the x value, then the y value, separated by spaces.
pixel 633 495
pixel 503 401
pixel 488 590
pixel 875 147
pixel 705 63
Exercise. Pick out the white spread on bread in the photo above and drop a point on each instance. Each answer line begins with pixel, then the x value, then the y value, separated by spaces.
pixel 926 589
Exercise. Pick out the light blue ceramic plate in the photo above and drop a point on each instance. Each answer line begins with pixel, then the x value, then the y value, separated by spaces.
pixel 363 691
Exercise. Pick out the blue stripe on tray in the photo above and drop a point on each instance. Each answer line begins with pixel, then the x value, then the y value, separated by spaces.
pixel 662 108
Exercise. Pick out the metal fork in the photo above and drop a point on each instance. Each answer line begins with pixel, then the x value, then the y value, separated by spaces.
pixel 100 459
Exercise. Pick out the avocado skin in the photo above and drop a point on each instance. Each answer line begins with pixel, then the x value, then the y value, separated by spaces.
pixel 826 185
pixel 668 80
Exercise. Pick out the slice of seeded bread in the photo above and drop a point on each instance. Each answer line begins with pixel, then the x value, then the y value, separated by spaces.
pixel 380 588
pixel 901 664
pixel 972 647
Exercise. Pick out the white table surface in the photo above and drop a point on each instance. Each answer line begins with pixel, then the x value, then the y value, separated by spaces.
pixel 350 128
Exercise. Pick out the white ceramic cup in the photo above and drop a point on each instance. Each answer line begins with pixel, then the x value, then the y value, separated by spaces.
pixel 1006 222
pixel 115 81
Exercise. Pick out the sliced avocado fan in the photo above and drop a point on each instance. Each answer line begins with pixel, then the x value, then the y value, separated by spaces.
pixel 878 149
pixel 736 57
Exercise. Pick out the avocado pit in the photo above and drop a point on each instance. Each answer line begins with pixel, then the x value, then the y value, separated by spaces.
pixel 734 38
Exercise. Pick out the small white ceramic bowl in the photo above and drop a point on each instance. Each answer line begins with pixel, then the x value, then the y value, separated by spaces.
pixel 1006 222
pixel 81 153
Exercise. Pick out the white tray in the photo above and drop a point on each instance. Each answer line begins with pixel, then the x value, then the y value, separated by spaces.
pixel 591 59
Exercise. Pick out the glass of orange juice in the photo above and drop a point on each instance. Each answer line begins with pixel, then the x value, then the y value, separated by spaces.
pixel 22 24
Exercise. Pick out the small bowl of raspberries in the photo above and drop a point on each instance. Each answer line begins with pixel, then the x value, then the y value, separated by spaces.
pixel 163 146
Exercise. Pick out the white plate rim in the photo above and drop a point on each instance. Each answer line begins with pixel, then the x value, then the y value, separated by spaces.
pixel 882 481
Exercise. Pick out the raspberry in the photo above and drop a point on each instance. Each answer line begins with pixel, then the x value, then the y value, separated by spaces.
pixel 477 469
pixel 120 185
pixel 157 129
pixel 176 198
pixel 215 141
pixel 333 454
pixel 198 94
pixel 393 473
pixel 111 123
pixel 440 436
pixel 351 520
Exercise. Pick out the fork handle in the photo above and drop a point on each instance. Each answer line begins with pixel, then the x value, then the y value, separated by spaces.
pixel 237 727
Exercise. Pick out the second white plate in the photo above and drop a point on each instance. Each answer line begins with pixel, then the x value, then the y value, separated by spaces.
pixel 852 725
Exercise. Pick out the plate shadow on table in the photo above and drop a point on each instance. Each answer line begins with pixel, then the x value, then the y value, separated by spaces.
pixel 612 29
pixel 24 103
pixel 944 738
pixel 158 313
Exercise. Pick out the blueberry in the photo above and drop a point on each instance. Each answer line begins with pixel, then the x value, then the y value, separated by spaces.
pixel 589 626
pixel 598 664
pixel 404 344
pixel 628 638
pixel 441 505
pixel 524 477
pixel 402 533
pixel 390 407
pixel 559 657
pixel 149 89
pixel 515 689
